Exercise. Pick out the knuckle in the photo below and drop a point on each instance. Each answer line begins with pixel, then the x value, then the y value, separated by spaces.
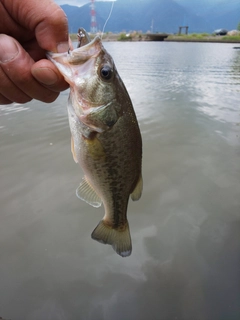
pixel 22 99
pixel 50 97
pixel 4 100
pixel 23 78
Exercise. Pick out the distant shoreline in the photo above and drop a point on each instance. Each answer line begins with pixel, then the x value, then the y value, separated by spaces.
pixel 136 37
pixel 199 38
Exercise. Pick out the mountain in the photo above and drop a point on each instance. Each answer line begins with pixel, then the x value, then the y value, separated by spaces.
pixel 157 15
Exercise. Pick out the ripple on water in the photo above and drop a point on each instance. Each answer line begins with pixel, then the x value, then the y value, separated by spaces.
pixel 13 108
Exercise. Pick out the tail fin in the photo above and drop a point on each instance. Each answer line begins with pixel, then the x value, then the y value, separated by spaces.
pixel 118 238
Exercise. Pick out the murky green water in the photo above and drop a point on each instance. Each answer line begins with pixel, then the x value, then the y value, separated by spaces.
pixel 186 227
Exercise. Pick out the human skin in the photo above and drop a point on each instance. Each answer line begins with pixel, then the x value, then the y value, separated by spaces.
pixel 28 29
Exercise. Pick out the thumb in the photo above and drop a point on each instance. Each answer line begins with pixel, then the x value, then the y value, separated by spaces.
pixel 45 18
pixel 52 31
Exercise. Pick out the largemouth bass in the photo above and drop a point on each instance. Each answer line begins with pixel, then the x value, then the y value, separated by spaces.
pixel 106 139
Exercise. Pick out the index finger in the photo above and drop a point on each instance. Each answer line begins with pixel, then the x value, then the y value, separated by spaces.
pixel 45 18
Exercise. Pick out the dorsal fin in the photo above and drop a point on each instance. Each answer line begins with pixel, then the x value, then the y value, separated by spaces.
pixel 86 193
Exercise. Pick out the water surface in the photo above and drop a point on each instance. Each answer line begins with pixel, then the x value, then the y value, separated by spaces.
pixel 185 228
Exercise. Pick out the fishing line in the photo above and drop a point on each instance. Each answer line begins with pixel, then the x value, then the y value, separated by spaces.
pixel 110 13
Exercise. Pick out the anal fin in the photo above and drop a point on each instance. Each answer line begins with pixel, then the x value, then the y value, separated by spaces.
pixel 86 193
pixel 137 192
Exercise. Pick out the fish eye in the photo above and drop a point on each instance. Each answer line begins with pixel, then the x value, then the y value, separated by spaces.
pixel 106 72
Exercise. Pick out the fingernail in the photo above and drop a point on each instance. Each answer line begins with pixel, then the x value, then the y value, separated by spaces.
pixel 8 50
pixel 45 76
pixel 62 47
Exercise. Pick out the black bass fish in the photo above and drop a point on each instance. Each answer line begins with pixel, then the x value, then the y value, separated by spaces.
pixel 106 140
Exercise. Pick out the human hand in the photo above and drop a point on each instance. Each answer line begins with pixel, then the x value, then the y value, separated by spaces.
pixel 28 29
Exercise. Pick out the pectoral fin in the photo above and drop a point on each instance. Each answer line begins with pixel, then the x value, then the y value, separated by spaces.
pixel 137 192
pixel 86 193
pixel 73 150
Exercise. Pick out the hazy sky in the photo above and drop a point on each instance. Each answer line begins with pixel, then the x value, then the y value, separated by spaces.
pixel 82 2
pixel 75 2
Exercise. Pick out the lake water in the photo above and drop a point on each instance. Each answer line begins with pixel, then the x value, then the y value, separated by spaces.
pixel 186 227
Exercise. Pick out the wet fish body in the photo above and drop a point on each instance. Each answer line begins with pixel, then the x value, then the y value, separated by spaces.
pixel 106 139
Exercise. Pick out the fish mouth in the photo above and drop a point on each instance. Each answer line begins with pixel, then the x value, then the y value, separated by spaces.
pixel 68 62
pixel 85 51
pixel 77 63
